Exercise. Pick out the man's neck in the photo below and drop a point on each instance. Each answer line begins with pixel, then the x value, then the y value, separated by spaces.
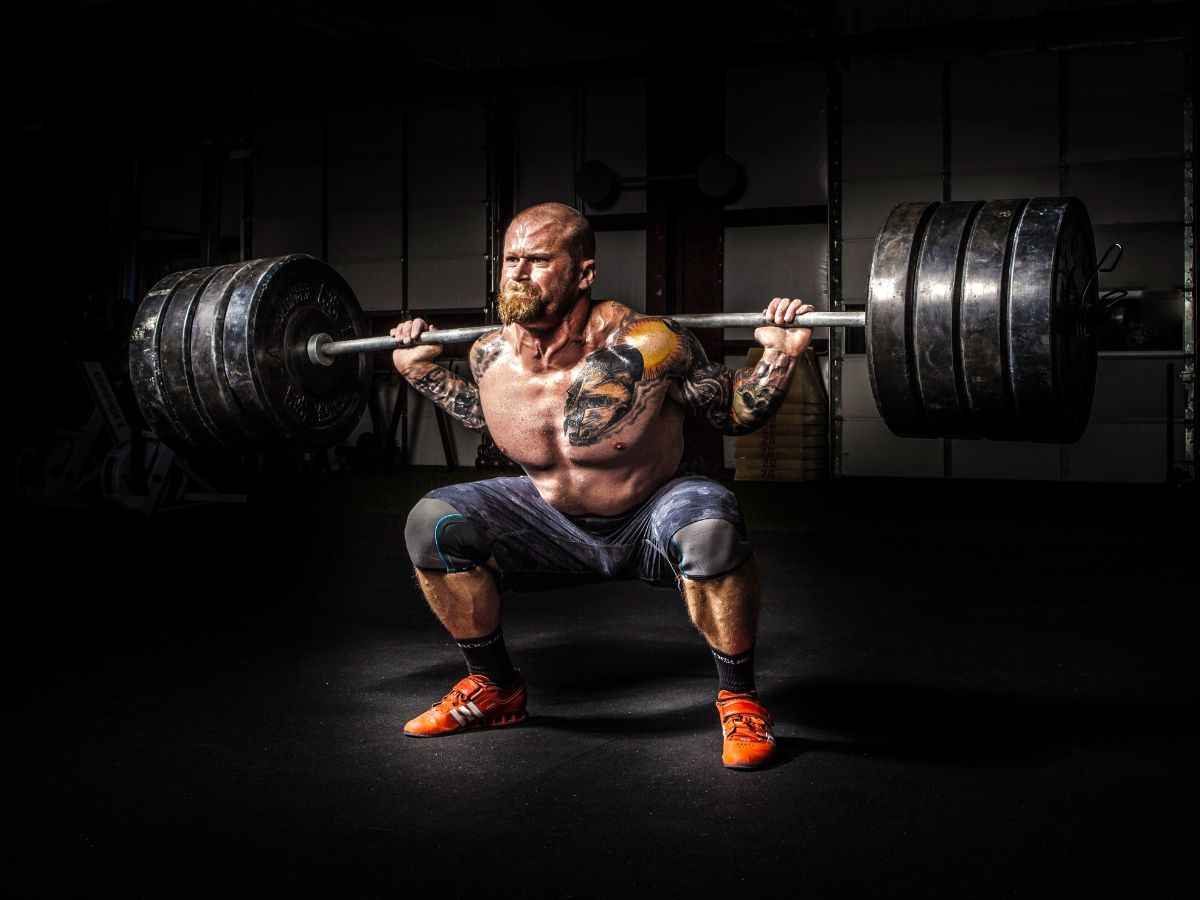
pixel 554 345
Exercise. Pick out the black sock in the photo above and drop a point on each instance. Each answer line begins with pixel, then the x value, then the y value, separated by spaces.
pixel 487 656
pixel 735 671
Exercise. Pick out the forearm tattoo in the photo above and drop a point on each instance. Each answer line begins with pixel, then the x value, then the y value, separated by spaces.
pixel 457 397
pixel 737 402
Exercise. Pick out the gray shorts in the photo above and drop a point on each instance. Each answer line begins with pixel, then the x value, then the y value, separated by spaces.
pixel 536 546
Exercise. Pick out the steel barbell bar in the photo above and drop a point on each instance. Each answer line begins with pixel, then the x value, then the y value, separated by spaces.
pixel 322 348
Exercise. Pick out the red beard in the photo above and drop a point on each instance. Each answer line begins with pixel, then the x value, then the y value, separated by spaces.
pixel 519 301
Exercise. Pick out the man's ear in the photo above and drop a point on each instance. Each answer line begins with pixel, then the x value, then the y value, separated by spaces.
pixel 587 274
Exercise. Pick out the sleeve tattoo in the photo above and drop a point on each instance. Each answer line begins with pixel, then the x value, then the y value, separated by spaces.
pixel 456 396
pixel 736 402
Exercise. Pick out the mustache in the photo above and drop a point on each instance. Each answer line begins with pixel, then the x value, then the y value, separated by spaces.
pixel 519 301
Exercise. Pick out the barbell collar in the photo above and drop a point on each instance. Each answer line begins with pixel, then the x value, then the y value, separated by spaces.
pixel 322 348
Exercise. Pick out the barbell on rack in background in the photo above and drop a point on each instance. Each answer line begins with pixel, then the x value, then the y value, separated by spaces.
pixel 978 325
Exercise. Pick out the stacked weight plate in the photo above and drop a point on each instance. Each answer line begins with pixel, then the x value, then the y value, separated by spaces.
pixel 219 361
pixel 977 320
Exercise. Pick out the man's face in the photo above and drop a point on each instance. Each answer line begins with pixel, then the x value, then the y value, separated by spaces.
pixel 539 279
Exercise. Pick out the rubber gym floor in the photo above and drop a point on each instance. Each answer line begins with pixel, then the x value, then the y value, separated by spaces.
pixel 982 689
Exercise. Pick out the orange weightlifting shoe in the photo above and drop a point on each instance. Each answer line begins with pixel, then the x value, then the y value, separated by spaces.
pixel 475 702
pixel 749 742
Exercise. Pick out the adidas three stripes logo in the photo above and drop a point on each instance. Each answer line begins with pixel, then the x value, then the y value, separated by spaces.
pixel 466 715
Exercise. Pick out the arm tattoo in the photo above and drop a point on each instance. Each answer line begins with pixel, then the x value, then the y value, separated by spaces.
pixel 737 402
pixel 484 353
pixel 458 397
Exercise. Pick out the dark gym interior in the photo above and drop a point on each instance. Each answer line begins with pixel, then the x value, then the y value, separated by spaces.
pixel 979 653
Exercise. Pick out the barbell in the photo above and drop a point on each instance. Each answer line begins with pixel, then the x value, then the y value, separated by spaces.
pixel 977 326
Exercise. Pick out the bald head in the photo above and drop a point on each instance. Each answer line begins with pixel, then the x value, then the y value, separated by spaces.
pixel 577 237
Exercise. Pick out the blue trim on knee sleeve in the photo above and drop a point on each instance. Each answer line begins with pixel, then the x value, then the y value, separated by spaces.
pixel 437 542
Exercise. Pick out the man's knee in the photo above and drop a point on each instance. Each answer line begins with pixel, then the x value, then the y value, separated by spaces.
pixel 438 537
pixel 709 548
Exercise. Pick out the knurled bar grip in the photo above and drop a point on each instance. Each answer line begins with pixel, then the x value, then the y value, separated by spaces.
pixel 322 348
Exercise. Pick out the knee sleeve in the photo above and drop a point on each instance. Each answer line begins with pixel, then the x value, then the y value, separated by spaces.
pixel 438 537
pixel 709 548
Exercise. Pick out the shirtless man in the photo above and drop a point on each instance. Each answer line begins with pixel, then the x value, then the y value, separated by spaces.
pixel 589 399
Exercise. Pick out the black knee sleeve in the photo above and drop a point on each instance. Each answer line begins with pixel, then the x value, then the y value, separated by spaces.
pixel 438 537
pixel 709 548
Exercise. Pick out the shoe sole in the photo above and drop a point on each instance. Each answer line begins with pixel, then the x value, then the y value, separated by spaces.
pixel 742 768
pixel 502 721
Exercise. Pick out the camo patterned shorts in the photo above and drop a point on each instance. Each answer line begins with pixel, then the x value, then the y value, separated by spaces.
pixel 538 547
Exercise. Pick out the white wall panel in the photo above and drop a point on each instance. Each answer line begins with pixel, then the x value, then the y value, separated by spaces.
pixel 857 399
pixel 451 283
pixel 1000 140
pixel 856 268
pixel 545 145
pixel 775 128
pixel 1026 183
pixel 375 284
pixel 621 268
pixel 366 234
pixel 287 188
pixel 615 134
pixel 1125 128
pixel 1025 82
pixel 891 90
pixel 892 146
pixel 868 448
pixel 448 176
pixel 448 125
pixel 365 183
pixel 775 261
pixel 1135 191
pixel 441 230
pixel 866 203
pixel 1152 258
pixel 279 235
pixel 366 136
pixel 1131 71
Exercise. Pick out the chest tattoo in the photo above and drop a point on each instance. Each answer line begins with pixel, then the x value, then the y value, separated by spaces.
pixel 606 388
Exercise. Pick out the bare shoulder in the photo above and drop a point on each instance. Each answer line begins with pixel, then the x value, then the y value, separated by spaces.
pixel 485 351
pixel 662 345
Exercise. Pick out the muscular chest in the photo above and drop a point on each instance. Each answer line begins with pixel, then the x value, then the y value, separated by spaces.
pixel 587 414
pixel 524 415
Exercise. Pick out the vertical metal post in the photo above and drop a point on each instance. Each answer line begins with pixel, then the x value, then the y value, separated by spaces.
pixel 211 189
pixel 500 192
pixel 833 192
pixel 246 154
pixel 325 188
pixel 489 210
pixel 133 211
pixel 401 413
pixel 1188 375
pixel 579 142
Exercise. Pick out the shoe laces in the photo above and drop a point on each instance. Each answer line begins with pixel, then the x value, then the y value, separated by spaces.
pixel 457 697
pixel 746 727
